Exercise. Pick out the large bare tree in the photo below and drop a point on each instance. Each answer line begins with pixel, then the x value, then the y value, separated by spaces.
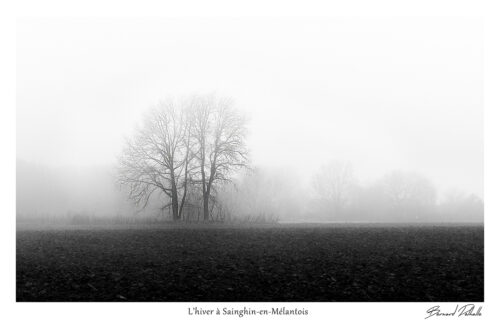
pixel 219 132
pixel 157 159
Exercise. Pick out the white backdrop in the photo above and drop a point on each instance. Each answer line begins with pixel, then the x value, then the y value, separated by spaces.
pixel 165 317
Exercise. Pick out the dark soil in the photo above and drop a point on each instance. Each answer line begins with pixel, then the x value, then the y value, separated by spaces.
pixel 294 263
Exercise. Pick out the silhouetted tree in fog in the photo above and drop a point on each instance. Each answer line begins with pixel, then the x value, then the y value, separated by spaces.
pixel 158 157
pixel 219 131
pixel 183 149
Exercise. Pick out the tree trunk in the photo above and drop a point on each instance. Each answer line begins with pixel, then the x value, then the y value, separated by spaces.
pixel 206 213
pixel 175 199
pixel 206 194
pixel 175 206
pixel 205 190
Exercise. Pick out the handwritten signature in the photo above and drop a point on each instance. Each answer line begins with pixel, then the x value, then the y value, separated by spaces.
pixel 460 311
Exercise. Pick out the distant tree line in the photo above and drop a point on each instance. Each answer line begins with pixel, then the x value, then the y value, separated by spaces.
pixel 403 196
pixel 334 194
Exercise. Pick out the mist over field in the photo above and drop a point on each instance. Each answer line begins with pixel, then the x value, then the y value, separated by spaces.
pixel 348 119
pixel 92 192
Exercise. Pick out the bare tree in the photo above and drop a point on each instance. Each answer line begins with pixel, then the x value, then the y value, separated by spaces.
pixel 157 159
pixel 219 132
pixel 407 195
pixel 334 183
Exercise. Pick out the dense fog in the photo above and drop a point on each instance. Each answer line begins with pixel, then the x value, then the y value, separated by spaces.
pixel 345 119
pixel 260 195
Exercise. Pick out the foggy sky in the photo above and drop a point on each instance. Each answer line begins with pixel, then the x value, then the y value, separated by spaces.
pixel 382 93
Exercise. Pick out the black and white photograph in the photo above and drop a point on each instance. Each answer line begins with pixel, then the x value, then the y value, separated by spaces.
pixel 249 160
pixel 251 166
